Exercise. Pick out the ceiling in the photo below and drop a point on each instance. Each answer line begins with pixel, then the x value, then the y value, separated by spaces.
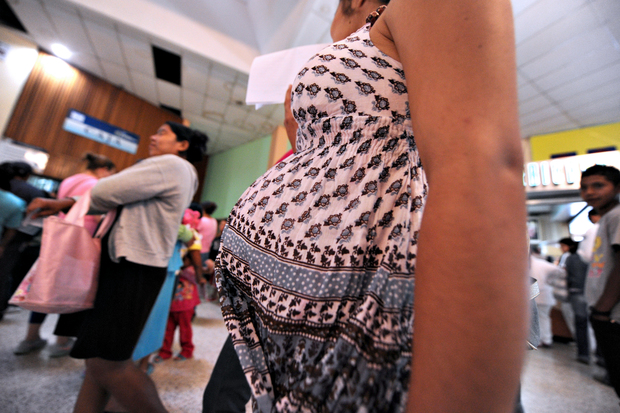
pixel 568 55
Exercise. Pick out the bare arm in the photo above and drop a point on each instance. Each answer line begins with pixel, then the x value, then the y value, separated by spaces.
pixel 46 207
pixel 194 256
pixel 471 283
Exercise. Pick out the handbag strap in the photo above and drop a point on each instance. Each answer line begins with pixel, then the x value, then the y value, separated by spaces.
pixel 79 180
pixel 106 223
pixel 78 210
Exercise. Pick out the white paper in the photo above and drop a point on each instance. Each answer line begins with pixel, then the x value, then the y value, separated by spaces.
pixel 35 222
pixel 271 74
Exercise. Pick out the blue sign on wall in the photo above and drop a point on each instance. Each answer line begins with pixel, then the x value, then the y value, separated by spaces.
pixel 100 131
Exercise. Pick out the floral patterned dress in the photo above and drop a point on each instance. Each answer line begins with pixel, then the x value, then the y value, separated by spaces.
pixel 316 268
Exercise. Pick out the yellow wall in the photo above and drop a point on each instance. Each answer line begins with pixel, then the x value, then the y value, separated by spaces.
pixel 577 140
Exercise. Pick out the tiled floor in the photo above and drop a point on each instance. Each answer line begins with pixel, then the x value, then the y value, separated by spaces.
pixel 552 381
pixel 36 383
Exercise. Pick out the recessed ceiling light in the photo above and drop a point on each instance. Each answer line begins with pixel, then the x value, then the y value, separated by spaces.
pixel 57 67
pixel 61 51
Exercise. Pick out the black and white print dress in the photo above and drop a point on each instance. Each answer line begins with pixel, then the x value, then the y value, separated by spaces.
pixel 316 269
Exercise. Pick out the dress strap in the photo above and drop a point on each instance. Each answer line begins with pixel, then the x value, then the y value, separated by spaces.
pixel 372 17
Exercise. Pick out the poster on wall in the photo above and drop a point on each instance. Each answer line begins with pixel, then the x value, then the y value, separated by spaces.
pixel 100 131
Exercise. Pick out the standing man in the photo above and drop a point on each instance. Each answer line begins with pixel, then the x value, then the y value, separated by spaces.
pixel 576 272
pixel 600 186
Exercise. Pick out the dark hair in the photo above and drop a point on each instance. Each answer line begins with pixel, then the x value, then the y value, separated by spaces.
pixel 346 6
pixel 608 172
pixel 219 222
pixel 209 207
pixel 535 249
pixel 21 169
pixel 6 174
pixel 197 141
pixel 94 161
pixel 195 206
pixel 570 243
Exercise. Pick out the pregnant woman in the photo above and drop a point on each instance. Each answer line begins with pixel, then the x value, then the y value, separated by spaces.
pixel 321 255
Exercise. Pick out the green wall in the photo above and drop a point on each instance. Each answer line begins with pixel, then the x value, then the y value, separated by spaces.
pixel 231 172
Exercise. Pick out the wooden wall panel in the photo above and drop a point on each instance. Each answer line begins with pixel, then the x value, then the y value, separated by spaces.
pixel 45 101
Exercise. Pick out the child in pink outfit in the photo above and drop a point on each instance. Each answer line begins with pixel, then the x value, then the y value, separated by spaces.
pixel 181 312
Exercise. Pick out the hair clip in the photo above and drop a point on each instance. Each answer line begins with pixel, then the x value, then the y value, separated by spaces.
pixel 372 17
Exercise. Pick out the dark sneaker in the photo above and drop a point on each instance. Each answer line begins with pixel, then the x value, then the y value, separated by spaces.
pixel 602 378
pixel 583 359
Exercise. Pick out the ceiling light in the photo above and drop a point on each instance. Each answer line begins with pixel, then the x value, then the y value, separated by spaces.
pixel 61 51
pixel 57 67
pixel 20 61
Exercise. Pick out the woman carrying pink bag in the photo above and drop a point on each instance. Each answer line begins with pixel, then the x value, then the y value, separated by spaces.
pixel 150 198
pixel 97 167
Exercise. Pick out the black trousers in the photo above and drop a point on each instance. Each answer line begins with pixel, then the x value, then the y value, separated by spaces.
pixel 608 341
pixel 228 390
pixel 18 257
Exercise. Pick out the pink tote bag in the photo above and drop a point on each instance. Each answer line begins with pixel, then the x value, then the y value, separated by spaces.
pixel 64 277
